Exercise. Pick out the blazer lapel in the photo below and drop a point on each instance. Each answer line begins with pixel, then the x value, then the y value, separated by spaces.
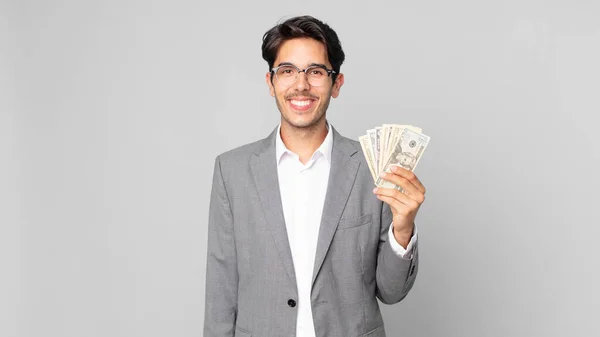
pixel 341 179
pixel 264 171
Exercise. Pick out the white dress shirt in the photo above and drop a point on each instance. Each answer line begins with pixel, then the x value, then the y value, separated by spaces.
pixel 303 188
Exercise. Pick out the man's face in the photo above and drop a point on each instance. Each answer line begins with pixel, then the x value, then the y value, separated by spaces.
pixel 302 105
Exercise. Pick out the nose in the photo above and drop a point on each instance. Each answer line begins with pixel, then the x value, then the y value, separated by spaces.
pixel 302 81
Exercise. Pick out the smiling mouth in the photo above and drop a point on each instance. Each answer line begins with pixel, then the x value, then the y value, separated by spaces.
pixel 301 104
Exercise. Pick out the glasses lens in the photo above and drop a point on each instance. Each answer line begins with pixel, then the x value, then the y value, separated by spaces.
pixel 317 76
pixel 287 75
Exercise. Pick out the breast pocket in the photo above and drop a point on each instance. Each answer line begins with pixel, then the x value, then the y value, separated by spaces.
pixel 362 220
pixel 239 332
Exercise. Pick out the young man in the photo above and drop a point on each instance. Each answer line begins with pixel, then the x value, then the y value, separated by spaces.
pixel 299 242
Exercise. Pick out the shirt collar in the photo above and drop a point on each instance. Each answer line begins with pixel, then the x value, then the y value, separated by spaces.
pixel 325 149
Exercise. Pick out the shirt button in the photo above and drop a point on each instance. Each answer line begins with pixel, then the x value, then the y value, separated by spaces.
pixel 291 303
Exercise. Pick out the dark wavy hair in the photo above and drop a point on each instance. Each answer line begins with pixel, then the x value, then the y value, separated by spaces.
pixel 303 26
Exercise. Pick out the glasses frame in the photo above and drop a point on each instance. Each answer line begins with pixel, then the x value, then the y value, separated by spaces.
pixel 328 71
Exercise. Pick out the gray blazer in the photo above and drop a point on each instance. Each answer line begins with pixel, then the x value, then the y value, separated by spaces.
pixel 250 280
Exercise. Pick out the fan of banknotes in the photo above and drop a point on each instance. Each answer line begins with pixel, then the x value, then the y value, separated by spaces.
pixel 392 144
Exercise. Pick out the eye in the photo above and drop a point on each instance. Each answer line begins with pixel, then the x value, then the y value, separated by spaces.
pixel 286 71
pixel 317 72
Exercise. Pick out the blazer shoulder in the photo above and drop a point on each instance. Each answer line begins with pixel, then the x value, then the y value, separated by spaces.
pixel 240 154
pixel 353 143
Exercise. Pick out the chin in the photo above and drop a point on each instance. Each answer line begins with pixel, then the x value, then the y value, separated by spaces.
pixel 303 123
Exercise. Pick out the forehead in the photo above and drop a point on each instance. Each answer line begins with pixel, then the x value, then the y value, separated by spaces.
pixel 302 52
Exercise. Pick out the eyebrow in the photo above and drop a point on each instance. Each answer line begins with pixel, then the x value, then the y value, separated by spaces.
pixel 310 65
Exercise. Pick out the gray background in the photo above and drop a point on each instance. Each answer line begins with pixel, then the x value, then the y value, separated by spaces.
pixel 112 113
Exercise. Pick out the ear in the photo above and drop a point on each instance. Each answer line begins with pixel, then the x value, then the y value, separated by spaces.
pixel 339 81
pixel 270 84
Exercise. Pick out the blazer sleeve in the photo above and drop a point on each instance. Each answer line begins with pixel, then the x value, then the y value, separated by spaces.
pixel 221 265
pixel 395 275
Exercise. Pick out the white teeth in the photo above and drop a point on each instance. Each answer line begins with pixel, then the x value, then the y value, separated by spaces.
pixel 300 103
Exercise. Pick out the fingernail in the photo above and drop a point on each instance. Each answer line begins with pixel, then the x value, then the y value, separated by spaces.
pixel 394 168
pixel 383 174
pixel 375 190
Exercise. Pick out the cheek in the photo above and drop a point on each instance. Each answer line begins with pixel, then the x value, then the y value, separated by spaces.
pixel 325 95
pixel 280 96
pixel 278 93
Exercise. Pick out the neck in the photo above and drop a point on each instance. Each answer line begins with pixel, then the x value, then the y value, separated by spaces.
pixel 303 141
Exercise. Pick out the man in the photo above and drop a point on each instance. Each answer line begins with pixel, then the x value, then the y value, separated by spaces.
pixel 299 242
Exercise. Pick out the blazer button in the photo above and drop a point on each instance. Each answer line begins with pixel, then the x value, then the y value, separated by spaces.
pixel 291 303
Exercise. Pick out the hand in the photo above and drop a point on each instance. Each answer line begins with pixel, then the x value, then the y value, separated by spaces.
pixel 404 205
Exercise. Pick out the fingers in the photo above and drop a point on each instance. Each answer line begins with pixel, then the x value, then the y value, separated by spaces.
pixel 404 207
pixel 401 197
pixel 408 175
pixel 407 187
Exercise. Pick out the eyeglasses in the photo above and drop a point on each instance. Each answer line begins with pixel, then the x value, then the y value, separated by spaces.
pixel 315 75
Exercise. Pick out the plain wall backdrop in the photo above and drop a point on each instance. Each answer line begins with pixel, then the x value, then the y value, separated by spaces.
pixel 112 113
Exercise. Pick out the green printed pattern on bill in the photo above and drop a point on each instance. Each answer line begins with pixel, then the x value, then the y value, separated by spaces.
pixel 392 144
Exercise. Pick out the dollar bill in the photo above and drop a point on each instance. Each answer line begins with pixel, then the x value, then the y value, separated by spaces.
pixel 385 135
pixel 406 152
pixel 395 130
pixel 378 146
pixel 372 133
pixel 365 144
